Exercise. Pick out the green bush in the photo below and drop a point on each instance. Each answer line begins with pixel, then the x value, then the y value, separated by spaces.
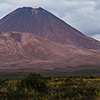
pixel 34 81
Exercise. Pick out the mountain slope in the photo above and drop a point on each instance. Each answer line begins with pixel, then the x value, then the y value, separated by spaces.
pixel 26 50
pixel 43 23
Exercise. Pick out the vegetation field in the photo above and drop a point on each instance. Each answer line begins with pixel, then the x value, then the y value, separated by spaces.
pixel 36 87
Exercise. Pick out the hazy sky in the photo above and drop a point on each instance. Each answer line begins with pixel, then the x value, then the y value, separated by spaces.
pixel 83 15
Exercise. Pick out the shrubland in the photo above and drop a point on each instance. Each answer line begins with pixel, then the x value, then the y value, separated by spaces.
pixel 36 87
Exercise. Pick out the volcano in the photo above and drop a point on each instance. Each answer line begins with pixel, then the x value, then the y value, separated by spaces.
pixel 37 39
pixel 45 24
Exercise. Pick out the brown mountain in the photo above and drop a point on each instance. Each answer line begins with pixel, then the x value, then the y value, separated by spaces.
pixel 44 24
pixel 34 39
pixel 28 51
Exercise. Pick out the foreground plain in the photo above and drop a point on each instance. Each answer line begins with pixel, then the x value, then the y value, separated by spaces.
pixel 36 87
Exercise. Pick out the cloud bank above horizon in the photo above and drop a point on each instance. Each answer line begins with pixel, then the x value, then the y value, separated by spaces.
pixel 83 15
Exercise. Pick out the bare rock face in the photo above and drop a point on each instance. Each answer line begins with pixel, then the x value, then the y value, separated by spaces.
pixel 45 24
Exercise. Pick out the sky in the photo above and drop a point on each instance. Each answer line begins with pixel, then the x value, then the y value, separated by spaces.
pixel 84 15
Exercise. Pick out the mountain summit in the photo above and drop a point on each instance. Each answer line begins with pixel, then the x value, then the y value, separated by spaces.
pixel 45 24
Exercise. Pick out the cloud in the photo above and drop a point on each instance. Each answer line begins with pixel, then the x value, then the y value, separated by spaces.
pixel 84 15
pixel 96 36
pixel 9 1
pixel 7 6
pixel 97 6
pixel 79 14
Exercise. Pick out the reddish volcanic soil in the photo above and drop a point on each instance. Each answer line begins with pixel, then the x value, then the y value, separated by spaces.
pixel 26 50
